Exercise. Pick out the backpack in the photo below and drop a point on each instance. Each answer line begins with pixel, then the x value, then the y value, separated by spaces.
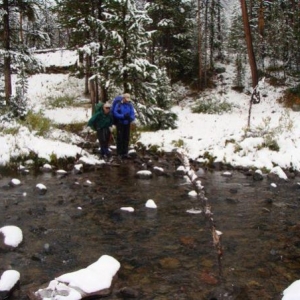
pixel 98 106
pixel 92 120
pixel 117 101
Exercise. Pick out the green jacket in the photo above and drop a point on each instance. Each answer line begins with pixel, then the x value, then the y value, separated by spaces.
pixel 100 119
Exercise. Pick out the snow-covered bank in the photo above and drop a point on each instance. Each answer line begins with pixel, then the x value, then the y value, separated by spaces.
pixel 274 140
pixel 224 137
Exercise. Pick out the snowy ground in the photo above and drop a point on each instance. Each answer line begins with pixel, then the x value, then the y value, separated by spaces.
pixel 223 136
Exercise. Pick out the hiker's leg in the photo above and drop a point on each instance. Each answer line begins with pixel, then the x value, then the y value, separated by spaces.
pixel 105 142
pixel 119 139
pixel 102 137
pixel 126 138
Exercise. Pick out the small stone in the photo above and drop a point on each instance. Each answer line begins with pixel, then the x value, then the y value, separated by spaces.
pixel 169 263
pixel 257 176
pixel 158 171
pixel 227 174
pixel 15 182
pixel 144 174
pixel 41 188
pixel 127 292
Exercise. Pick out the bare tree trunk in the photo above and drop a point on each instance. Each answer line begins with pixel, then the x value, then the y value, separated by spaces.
pixel 7 58
pixel 87 73
pixel 125 50
pixel 103 93
pixel 205 42
pixel 212 35
pixel 200 67
pixel 93 94
pixel 21 28
pixel 219 35
pixel 261 19
pixel 248 37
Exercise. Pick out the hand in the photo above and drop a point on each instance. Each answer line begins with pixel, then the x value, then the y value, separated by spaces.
pixel 127 116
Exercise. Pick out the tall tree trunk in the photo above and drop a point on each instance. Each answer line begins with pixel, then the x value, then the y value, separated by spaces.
pixel 21 28
pixel 125 49
pixel 261 19
pixel 7 58
pixel 103 90
pixel 88 63
pixel 261 31
pixel 205 42
pixel 200 67
pixel 248 37
pixel 212 35
pixel 219 34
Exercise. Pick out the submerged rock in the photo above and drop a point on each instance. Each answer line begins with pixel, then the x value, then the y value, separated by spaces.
pixel 127 293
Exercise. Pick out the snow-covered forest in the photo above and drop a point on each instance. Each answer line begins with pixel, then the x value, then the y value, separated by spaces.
pixel 144 47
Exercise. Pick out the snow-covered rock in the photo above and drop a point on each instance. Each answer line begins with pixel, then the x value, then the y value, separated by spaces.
pixel 158 171
pixel 292 292
pixel 144 174
pixel 15 182
pixel 181 171
pixel 192 194
pixel 8 281
pixel 85 282
pixel 41 188
pixel 279 172
pixel 61 172
pixel 126 208
pixel 150 204
pixel 13 235
pixel 46 168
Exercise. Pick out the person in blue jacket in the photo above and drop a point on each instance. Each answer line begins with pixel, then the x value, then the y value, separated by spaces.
pixel 123 114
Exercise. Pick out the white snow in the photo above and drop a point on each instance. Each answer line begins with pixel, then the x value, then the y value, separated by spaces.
pixel 292 292
pixel 13 235
pixel 95 277
pixel 41 186
pixel 127 208
pixel 8 280
pixel 150 204
pixel 192 193
pixel 16 181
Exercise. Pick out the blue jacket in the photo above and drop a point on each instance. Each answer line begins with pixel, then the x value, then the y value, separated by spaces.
pixel 123 111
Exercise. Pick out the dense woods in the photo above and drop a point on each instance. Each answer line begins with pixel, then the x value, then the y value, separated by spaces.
pixel 143 47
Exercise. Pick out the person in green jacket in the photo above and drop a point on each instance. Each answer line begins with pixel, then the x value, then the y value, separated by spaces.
pixel 101 122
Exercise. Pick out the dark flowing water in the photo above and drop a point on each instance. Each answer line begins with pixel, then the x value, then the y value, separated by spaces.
pixel 165 253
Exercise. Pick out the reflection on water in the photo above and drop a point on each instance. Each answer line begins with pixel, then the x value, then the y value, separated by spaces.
pixel 165 253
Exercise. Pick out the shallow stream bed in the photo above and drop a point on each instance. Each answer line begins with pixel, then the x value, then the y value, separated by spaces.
pixel 165 253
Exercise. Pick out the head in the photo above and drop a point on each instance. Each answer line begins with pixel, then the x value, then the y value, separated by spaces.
pixel 106 108
pixel 126 97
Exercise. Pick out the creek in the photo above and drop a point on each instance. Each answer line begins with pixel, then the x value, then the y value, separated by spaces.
pixel 165 253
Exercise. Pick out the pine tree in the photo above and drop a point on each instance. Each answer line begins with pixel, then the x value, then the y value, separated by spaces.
pixel 113 44
pixel 172 40
pixel 14 51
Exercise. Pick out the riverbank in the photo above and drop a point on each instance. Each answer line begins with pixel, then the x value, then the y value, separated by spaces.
pixel 212 137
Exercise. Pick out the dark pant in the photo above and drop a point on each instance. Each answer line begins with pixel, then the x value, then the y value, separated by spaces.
pixel 123 136
pixel 103 135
